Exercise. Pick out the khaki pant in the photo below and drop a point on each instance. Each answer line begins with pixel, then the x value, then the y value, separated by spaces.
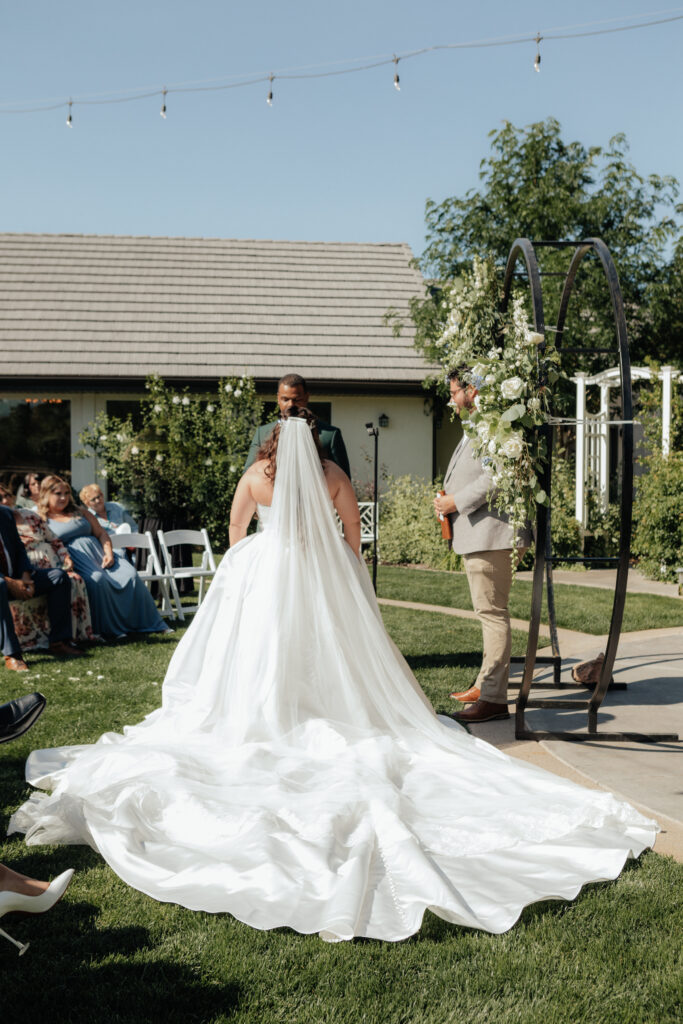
pixel 489 574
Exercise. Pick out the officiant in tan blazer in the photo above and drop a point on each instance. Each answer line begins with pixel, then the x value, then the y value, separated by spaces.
pixel 484 538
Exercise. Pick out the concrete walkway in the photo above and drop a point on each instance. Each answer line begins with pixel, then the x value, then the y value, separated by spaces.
pixel 649 776
pixel 605 579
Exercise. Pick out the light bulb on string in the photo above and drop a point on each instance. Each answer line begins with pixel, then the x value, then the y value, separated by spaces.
pixel 537 58
pixel 397 80
pixel 69 120
pixel 163 103
pixel 269 100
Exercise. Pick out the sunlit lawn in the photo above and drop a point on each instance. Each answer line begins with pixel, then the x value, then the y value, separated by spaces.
pixel 585 609
pixel 108 953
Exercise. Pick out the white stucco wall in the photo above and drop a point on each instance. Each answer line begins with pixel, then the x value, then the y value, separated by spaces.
pixel 405 446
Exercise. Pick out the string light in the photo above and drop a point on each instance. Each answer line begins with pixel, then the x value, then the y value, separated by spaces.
pixel 354 65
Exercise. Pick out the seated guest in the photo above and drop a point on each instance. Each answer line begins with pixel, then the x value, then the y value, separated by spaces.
pixel 29 490
pixel 119 600
pixel 46 551
pixel 110 514
pixel 19 581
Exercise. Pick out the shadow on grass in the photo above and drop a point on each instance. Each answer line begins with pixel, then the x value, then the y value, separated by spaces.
pixel 108 976
pixel 460 659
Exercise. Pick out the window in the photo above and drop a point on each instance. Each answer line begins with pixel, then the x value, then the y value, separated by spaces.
pixel 35 434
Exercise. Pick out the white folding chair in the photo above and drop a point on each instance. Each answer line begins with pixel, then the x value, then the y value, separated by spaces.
pixel 151 571
pixel 204 572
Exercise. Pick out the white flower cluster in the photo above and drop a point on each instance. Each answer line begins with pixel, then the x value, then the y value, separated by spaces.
pixel 510 371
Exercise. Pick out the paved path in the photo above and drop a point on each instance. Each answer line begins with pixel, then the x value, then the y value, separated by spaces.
pixel 650 776
pixel 605 579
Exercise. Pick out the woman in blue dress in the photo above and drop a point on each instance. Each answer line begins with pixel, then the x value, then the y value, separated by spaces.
pixel 119 600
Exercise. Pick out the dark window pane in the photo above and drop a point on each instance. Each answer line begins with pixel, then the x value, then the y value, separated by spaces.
pixel 35 434
pixel 126 407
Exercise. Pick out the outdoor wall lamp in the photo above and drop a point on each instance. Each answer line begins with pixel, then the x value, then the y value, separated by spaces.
pixel 383 420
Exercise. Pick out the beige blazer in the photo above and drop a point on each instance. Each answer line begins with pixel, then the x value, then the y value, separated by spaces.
pixel 476 527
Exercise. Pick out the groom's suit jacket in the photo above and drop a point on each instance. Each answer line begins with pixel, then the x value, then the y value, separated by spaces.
pixel 331 441
pixel 475 526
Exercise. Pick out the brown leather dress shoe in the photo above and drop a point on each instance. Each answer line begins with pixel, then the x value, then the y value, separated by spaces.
pixel 467 696
pixel 482 711
pixel 15 664
pixel 66 649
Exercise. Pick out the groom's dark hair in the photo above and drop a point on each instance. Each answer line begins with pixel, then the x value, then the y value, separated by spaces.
pixel 293 380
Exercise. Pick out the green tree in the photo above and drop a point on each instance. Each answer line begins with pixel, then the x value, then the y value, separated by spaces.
pixel 536 185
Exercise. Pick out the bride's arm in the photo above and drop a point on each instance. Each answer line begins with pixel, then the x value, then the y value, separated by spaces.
pixel 344 501
pixel 241 511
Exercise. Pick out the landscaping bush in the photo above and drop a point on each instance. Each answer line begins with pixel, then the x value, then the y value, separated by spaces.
pixel 184 464
pixel 658 535
pixel 409 532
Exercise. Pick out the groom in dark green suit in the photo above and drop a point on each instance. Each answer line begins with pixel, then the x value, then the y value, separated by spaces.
pixel 291 391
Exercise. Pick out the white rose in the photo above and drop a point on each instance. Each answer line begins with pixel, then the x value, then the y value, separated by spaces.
pixel 534 404
pixel 210 408
pixel 513 447
pixel 490 378
pixel 535 338
pixel 103 437
pixel 492 447
pixel 176 400
pixel 512 387
pixel 233 469
pixel 228 389
pixel 160 457
pixel 119 437
pixel 135 450
pixel 483 430
pixel 157 408
pixel 103 472
pixel 238 392
pixel 477 402
pixel 186 400
pixel 208 462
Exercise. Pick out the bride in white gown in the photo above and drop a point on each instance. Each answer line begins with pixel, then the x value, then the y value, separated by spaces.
pixel 296 775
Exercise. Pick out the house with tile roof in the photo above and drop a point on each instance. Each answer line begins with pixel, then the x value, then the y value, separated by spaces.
pixel 85 319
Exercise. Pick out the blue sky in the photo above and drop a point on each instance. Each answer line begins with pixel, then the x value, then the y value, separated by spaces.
pixel 344 158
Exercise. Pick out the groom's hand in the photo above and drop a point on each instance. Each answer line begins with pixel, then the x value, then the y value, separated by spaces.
pixel 444 504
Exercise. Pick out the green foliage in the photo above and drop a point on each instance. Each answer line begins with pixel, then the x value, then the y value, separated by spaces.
pixel 536 185
pixel 184 463
pixel 658 536
pixel 566 531
pixel 658 508
pixel 409 531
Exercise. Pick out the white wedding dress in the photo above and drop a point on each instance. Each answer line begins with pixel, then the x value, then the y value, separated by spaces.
pixel 295 774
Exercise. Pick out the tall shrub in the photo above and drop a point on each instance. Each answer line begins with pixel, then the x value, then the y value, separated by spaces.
pixel 185 461
pixel 409 532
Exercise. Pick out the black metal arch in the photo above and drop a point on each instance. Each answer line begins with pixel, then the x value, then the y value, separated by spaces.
pixel 524 248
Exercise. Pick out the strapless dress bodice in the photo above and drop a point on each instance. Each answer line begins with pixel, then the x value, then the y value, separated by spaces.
pixel 263 515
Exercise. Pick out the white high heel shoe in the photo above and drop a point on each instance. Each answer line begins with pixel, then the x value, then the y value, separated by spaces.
pixel 11 902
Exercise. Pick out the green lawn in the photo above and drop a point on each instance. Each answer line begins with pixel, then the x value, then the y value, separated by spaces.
pixel 585 609
pixel 109 954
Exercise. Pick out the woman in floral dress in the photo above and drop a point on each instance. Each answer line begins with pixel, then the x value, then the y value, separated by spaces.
pixel 46 551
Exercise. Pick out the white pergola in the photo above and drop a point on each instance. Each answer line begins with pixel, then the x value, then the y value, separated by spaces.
pixel 592 430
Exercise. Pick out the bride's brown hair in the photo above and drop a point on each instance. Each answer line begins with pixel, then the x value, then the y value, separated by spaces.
pixel 268 450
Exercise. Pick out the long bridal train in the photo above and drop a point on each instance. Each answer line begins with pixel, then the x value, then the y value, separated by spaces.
pixel 295 774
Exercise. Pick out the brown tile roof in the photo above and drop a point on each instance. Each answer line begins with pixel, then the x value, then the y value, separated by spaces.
pixel 93 307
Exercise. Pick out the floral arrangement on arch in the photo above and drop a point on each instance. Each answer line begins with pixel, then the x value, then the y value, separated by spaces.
pixel 511 366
